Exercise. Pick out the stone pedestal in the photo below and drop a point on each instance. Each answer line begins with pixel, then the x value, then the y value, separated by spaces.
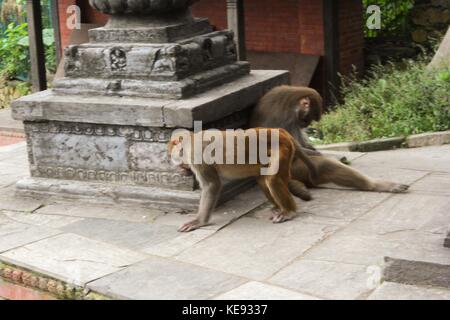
pixel 101 131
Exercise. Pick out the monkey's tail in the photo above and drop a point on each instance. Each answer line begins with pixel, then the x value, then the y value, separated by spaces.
pixel 313 173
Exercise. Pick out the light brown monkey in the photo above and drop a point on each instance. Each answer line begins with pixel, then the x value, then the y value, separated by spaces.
pixel 291 108
pixel 287 107
pixel 209 174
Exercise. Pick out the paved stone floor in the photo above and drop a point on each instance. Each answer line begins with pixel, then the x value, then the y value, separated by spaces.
pixel 334 249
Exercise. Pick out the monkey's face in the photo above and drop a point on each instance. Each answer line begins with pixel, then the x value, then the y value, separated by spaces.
pixel 175 151
pixel 303 112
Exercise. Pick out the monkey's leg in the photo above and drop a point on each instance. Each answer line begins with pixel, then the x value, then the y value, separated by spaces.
pixel 331 170
pixel 280 192
pixel 298 189
pixel 211 186
pixel 262 183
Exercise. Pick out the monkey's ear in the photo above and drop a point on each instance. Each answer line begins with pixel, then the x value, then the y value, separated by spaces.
pixel 177 141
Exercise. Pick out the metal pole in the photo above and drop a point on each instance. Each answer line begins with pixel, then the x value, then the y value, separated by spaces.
pixel 236 22
pixel 37 54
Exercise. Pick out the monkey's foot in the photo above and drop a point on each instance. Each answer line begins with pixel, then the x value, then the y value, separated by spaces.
pixel 392 187
pixel 399 188
pixel 280 217
pixel 190 226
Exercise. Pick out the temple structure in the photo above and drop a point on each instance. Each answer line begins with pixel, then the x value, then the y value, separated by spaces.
pixel 101 131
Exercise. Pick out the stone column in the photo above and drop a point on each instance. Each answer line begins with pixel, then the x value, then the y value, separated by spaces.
pixel 102 130
pixel 236 23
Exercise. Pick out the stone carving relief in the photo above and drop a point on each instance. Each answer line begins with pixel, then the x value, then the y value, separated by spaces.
pixel 118 59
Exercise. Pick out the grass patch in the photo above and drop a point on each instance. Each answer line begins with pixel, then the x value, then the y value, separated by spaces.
pixel 394 100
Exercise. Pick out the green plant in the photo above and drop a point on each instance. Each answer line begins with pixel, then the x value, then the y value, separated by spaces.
pixel 391 101
pixel 14 56
pixel 394 17
pixel 49 43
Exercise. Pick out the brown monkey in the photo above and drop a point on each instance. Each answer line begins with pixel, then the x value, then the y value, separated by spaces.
pixel 182 149
pixel 293 108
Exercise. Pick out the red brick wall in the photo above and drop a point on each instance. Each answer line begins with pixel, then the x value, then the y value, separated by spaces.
pixel 271 25
pixel 352 35
pixel 65 32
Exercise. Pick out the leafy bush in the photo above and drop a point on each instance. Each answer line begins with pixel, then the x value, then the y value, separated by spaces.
pixel 395 17
pixel 14 51
pixel 392 101
pixel 14 56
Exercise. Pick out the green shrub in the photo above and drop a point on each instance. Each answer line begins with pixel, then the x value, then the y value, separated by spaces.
pixel 392 101
pixel 14 56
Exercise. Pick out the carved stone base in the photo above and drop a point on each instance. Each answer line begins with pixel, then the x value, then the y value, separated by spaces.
pixel 165 34
pixel 106 193
pixel 115 149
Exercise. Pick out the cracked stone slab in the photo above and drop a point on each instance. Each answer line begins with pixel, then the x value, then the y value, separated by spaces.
pixel 411 212
pixel 434 184
pixel 330 280
pixel 396 291
pixel 131 235
pixel 175 246
pixel 71 258
pixel 165 279
pixel 225 214
pixel 75 209
pixel 254 290
pixel 14 234
pixel 44 220
pixel 10 201
pixel 249 242
pixel 367 243
pixel 417 273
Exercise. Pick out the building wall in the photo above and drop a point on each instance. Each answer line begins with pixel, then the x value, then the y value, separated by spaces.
pixel 63 16
pixel 294 26
pixel 277 26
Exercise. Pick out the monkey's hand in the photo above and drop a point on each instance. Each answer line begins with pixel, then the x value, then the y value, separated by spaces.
pixel 191 226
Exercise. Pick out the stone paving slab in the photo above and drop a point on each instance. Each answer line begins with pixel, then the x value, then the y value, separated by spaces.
pixel 330 280
pixel 9 201
pixel 224 214
pixel 254 290
pixel 255 248
pixel 131 235
pixel 412 211
pixel 14 234
pixel 96 211
pixel 396 291
pixel 71 258
pixel 11 173
pixel 161 279
pixel 7 123
pixel 332 206
pixel 178 244
pixel 435 184
pixel 12 151
pixel 48 221
pixel 436 158
pixel 366 243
